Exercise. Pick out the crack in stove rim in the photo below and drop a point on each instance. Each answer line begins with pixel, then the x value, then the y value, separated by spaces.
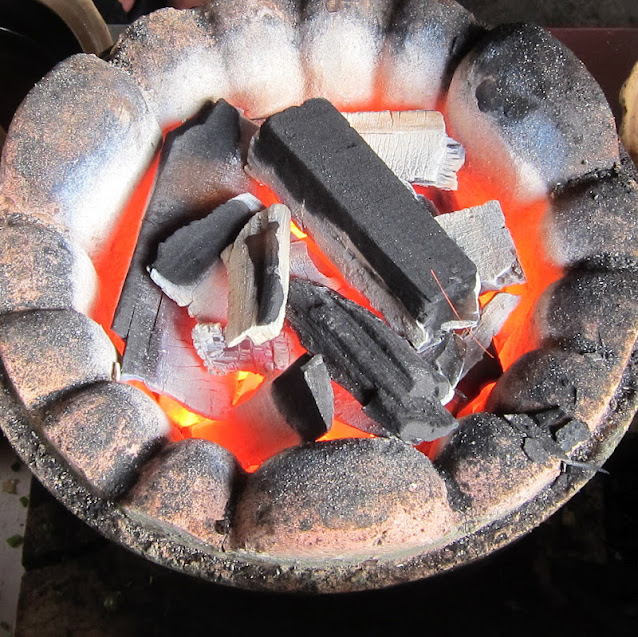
pixel 119 523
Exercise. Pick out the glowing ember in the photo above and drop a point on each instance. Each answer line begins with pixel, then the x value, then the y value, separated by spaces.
pixel 514 339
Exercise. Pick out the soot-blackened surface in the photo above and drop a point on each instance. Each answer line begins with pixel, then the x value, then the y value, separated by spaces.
pixel 575 574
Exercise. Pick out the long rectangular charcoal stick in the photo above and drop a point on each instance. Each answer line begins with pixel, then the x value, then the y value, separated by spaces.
pixel 395 386
pixel 329 176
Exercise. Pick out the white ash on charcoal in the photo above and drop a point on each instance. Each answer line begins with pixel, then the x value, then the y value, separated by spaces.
pixel 167 363
pixel 208 144
pixel 303 267
pixel 200 168
pixel 188 267
pixel 258 40
pixel 346 197
pixel 287 411
pixel 77 147
pixel 593 217
pixel 528 113
pixel 258 276
pixel 481 233
pixel 173 57
pixel 448 357
pixel 426 40
pixel 397 388
pixel 276 354
pixel 341 43
pixel 493 317
pixel 413 144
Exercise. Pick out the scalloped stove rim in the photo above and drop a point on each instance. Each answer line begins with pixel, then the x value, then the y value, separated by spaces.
pixel 259 572
pixel 262 572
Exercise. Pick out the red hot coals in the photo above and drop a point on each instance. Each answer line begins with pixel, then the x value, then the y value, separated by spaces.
pixel 236 271
pixel 365 219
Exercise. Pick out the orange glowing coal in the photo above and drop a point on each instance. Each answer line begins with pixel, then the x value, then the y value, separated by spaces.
pixel 247 441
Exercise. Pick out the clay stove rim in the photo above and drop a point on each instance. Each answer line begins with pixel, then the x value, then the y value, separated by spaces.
pixel 258 572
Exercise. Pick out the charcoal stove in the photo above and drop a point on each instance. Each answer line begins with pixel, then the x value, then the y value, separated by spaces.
pixel 485 481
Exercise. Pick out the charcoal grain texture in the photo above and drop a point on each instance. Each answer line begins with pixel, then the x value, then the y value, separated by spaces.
pixel 399 389
pixel 489 471
pixel 40 268
pixel 343 497
pixel 320 160
pixel 200 168
pixel 187 488
pixel 49 352
pixel 105 433
pixel 592 217
pixel 528 113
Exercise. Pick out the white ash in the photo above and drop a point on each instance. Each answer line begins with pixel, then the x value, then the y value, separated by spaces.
pixel 169 365
pixel 302 266
pixel 275 354
pixel 205 291
pixel 493 317
pixel 358 272
pixel 413 144
pixel 251 314
pixel 480 231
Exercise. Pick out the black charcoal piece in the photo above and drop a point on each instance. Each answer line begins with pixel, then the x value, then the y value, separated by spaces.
pixel 379 368
pixel 303 394
pixel 200 168
pixel 315 157
pixel 185 257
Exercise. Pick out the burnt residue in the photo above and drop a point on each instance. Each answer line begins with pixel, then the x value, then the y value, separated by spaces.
pixel 594 218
